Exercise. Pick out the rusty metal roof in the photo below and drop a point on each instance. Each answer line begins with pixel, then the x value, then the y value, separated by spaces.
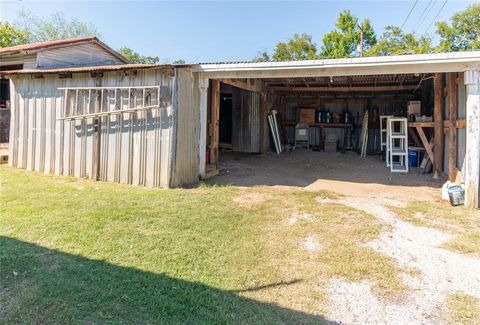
pixel 42 46
pixel 99 68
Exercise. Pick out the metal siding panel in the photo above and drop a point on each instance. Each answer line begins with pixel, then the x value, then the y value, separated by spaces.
pixel 166 128
pixel 134 150
pixel 75 55
pixel 31 127
pixel 59 125
pixel 39 126
pixel 23 125
pixel 246 123
pixel 48 107
pixel 187 128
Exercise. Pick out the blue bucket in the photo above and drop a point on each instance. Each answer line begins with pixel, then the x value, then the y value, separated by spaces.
pixel 456 194
pixel 412 158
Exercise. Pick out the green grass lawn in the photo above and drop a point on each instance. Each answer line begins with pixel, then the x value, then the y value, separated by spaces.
pixel 74 250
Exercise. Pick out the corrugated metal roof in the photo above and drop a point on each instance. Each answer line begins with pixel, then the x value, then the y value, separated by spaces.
pixel 42 46
pixel 399 64
pixel 86 69
pixel 358 60
pixel 396 58
pixel 47 44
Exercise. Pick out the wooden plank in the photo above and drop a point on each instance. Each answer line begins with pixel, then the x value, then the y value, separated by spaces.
pixel 425 142
pixel 459 124
pixel 202 141
pixel 438 123
pixel 452 138
pixel 472 153
pixel 343 89
pixel 460 79
pixel 214 123
pixel 243 85
pixel 414 136
pixel 421 124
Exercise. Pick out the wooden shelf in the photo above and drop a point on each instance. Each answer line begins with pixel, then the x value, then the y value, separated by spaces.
pixel 420 124
pixel 321 125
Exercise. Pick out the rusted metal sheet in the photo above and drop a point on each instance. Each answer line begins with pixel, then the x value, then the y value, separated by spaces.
pixel 186 121
pixel 133 148
pixel 246 108
pixel 76 55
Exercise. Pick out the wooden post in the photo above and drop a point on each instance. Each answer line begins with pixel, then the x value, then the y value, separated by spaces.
pixel 214 123
pixel 452 138
pixel 472 153
pixel 202 141
pixel 438 124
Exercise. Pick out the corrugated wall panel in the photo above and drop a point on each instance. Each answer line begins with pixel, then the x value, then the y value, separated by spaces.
pixel 187 128
pixel 246 107
pixel 135 148
pixel 166 107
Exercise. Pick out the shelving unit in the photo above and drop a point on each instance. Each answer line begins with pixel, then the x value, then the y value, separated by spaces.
pixel 384 137
pixel 397 144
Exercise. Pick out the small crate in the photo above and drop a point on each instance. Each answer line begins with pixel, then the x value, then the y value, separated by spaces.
pixel 306 115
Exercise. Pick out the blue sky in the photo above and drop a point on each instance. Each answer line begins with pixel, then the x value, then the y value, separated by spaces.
pixel 215 31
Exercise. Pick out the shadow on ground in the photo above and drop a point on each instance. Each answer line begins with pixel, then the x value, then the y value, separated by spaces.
pixel 40 285
pixel 305 167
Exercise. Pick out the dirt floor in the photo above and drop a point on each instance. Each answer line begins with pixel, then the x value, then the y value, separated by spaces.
pixel 347 174
pixel 431 272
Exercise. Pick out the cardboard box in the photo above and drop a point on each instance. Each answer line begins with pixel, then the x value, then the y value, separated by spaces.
pixel 414 107
pixel 306 115
pixel 330 146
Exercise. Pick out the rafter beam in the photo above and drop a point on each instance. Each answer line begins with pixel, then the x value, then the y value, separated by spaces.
pixel 255 87
pixel 343 89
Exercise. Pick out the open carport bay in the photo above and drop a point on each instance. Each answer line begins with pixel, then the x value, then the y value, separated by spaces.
pixel 346 174
pixel 334 108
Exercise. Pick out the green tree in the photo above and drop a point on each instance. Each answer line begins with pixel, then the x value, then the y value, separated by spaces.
pixel 299 47
pixel 11 35
pixel 394 41
pixel 463 33
pixel 135 57
pixel 344 41
pixel 55 27
pixel 262 57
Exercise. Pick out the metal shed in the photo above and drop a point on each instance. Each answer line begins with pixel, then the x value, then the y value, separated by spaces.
pixel 133 124
pixel 157 125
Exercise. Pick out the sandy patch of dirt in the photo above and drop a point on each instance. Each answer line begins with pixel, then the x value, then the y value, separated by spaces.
pixel 440 273
pixel 249 199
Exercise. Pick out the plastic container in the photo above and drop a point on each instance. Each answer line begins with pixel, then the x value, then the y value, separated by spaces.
pixel 456 195
pixel 412 157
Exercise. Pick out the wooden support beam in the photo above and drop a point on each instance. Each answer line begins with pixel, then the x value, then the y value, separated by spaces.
pixel 214 123
pixel 472 152
pixel 425 142
pixel 459 124
pixel 452 137
pixel 243 85
pixel 202 141
pixel 414 136
pixel 438 124
pixel 342 89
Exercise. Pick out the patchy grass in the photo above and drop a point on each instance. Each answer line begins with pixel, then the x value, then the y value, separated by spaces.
pixel 463 309
pixel 462 223
pixel 74 250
